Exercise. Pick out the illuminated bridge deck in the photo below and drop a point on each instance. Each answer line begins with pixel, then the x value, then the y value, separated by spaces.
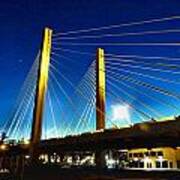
pixel 144 135
pixel 151 134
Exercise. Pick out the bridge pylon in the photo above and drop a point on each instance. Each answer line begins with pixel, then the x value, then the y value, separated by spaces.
pixel 41 88
pixel 100 103
pixel 100 89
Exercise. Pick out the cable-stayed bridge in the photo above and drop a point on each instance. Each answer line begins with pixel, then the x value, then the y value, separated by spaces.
pixel 83 93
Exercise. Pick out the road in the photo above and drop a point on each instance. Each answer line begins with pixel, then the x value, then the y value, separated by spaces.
pixel 56 173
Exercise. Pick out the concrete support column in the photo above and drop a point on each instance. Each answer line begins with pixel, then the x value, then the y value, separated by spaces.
pixel 100 159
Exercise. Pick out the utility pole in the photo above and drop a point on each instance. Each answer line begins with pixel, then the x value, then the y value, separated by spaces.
pixel 41 88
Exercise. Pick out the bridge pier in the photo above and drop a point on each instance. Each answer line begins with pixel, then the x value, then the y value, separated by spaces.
pixel 61 158
pixel 49 158
pixel 20 166
pixel 100 159
pixel 74 158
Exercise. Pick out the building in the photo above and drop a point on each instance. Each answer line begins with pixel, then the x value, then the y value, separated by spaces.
pixel 155 158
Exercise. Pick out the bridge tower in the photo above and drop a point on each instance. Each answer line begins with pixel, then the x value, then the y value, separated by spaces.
pixel 100 103
pixel 100 90
pixel 41 91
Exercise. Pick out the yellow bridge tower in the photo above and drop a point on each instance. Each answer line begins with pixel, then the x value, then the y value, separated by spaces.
pixel 41 91
pixel 100 103
pixel 100 90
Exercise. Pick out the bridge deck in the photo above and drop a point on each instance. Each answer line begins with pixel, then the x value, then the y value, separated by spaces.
pixel 151 134
pixel 144 135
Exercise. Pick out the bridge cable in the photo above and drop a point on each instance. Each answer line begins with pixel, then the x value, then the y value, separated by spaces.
pixel 155 20
pixel 151 64
pixel 119 79
pixel 141 67
pixel 124 34
pixel 157 88
pixel 134 56
pixel 139 101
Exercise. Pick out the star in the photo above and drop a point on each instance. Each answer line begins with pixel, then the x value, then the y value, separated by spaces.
pixel 20 61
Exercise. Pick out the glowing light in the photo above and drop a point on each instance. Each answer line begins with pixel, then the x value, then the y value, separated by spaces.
pixel 110 163
pixel 3 147
pixel 26 142
pixel 120 112
pixel 27 156
pixel 160 158
pixel 146 159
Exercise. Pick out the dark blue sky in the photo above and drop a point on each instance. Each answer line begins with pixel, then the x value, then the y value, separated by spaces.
pixel 22 23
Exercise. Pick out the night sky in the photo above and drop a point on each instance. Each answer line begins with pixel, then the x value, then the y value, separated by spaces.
pixel 22 23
